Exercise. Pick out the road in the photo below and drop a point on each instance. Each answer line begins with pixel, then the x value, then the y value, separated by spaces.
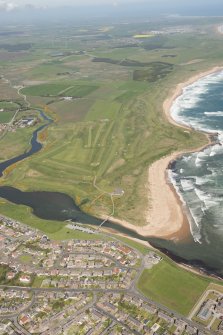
pixel 22 310
pixel 131 331
pixel 133 291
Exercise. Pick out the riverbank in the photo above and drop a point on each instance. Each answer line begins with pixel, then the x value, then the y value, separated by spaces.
pixel 166 216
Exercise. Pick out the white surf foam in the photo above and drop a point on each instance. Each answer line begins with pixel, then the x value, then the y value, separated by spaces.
pixel 194 220
pixel 198 162
pixel 191 96
pixel 202 180
pixel 187 184
pixel 171 177
pixel 186 158
pixel 206 198
pixel 195 226
pixel 218 113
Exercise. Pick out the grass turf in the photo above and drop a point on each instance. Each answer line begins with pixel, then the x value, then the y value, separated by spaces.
pixel 5 117
pixel 173 287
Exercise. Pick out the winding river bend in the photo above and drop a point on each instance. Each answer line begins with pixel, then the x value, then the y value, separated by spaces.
pixel 204 250
pixel 35 145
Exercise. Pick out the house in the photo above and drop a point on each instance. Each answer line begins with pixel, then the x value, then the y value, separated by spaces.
pixel 24 319
pixel 10 275
pixel 165 317
pixel 25 279
pixel 150 309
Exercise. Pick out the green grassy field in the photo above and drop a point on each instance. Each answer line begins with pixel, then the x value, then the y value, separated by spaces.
pixel 103 109
pixel 60 89
pixel 173 287
pixel 5 117
pixel 8 106
pixel 170 284
pixel 15 143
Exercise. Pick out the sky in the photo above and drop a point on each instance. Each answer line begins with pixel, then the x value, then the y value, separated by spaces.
pixel 12 4
pixel 116 7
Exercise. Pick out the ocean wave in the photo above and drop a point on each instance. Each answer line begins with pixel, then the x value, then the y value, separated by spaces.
pixel 199 181
pixel 187 184
pixel 186 158
pixel 193 214
pixel 195 225
pixel 198 162
pixel 172 178
pixel 192 95
pixel 216 150
pixel 220 137
pixel 218 113
pixel 214 172
pixel 206 198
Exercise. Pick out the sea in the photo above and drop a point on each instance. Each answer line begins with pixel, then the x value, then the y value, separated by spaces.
pixel 198 177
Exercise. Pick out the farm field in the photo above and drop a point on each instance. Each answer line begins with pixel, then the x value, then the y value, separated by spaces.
pixel 13 144
pixel 60 89
pixel 8 106
pixel 108 120
pixel 5 117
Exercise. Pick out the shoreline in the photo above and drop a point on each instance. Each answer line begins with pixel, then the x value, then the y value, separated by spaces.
pixel 167 104
pixel 165 205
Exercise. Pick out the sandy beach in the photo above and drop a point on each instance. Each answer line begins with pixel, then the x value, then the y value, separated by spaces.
pixel 166 216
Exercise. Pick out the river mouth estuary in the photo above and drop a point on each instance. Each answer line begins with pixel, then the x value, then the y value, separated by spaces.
pixel 197 178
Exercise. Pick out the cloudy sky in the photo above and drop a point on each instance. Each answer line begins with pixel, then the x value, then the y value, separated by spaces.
pixel 10 5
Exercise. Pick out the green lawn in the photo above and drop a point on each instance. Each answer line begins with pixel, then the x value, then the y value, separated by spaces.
pixel 15 143
pixel 26 259
pixel 5 117
pixel 172 286
pixel 45 89
pixel 103 110
pixel 8 105
pixel 80 90
pixel 63 88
